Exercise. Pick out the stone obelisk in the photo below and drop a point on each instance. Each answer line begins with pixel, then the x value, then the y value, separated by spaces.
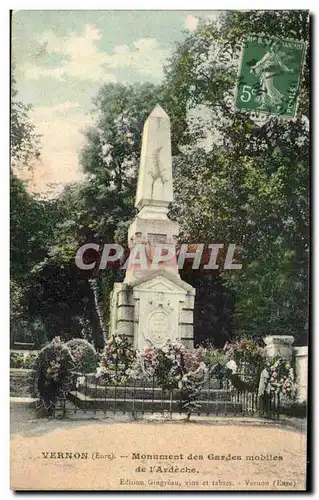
pixel 155 183
pixel 153 304
pixel 154 193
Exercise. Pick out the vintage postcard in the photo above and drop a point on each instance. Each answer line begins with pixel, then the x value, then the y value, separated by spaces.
pixel 159 190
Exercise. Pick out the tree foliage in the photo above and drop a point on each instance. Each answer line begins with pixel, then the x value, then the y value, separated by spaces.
pixel 31 221
pixel 23 139
pixel 250 185
pixel 98 210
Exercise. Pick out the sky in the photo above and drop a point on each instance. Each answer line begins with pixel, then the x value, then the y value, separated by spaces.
pixel 62 58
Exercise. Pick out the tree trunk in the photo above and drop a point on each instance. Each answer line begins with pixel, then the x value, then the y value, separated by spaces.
pixel 95 289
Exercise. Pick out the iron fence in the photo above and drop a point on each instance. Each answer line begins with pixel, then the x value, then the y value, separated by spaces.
pixel 139 396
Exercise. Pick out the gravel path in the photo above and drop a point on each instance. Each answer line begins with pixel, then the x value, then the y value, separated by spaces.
pixel 113 455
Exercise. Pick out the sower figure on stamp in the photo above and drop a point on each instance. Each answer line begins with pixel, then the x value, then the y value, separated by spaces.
pixel 270 65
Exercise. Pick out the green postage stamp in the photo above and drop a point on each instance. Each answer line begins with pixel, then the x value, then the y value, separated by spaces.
pixel 269 75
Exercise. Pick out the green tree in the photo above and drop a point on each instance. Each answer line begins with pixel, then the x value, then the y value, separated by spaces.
pixel 100 209
pixel 24 141
pixel 245 184
pixel 31 220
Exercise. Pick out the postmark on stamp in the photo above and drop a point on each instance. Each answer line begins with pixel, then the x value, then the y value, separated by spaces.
pixel 269 75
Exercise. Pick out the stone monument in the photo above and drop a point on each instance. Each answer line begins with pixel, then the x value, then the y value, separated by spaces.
pixel 153 304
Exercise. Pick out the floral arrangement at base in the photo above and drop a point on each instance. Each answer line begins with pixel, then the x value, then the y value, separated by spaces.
pixel 116 358
pixel 194 370
pixel 162 363
pixel 174 366
pixel 16 360
pixel 84 355
pixel 52 378
pixel 281 377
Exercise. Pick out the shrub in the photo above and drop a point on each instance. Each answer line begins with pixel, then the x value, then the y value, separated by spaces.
pixel 30 360
pixel 297 410
pixel 247 351
pixel 53 375
pixel 249 359
pixel 216 361
pixel 84 355
pixel 16 360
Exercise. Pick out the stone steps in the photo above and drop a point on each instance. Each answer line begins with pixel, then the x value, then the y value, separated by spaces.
pixel 140 382
pixel 143 405
pixel 146 393
pixel 142 395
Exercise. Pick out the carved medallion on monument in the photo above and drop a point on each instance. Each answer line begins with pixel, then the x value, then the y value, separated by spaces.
pixel 158 326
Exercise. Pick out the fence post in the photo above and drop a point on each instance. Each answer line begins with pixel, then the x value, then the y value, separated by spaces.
pixel 279 346
pixel 301 366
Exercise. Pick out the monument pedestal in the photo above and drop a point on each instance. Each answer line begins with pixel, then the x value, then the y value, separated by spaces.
pixel 153 309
